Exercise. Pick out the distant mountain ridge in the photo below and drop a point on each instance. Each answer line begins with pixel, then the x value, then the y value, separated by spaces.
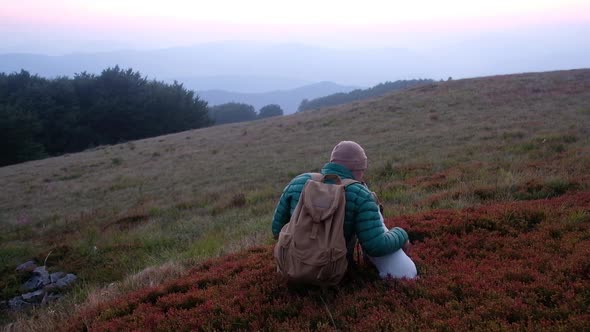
pixel 302 63
pixel 289 100
pixel 240 84
pixel 254 67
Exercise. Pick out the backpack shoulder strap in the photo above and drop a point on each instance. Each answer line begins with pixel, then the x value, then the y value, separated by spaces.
pixel 319 177
pixel 348 182
pixel 316 176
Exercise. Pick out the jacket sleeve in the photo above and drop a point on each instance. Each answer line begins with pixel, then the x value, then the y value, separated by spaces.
pixel 282 212
pixel 287 202
pixel 374 238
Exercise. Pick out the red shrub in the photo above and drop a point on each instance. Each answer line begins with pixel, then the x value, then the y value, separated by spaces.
pixel 520 265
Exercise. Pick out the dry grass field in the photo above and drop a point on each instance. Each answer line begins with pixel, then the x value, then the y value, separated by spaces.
pixel 125 216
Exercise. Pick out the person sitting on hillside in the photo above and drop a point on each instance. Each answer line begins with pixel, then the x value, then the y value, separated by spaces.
pixel 363 219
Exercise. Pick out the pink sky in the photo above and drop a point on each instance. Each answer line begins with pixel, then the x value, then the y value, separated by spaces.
pixel 331 23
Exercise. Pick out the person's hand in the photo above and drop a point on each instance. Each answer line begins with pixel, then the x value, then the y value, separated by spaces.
pixel 407 247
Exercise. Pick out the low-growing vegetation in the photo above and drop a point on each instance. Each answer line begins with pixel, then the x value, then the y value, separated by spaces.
pixel 508 266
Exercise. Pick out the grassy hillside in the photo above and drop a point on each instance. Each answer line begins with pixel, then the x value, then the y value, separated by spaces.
pixel 175 200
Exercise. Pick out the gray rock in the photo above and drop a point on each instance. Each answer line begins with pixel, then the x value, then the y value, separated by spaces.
pixel 34 283
pixel 66 281
pixel 43 274
pixel 26 267
pixel 51 288
pixel 55 276
pixel 43 287
pixel 34 297
pixel 40 270
pixel 17 303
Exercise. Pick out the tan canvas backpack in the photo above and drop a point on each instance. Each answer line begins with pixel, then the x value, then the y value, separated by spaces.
pixel 311 247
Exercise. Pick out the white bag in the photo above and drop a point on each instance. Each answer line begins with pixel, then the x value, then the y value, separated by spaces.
pixel 395 265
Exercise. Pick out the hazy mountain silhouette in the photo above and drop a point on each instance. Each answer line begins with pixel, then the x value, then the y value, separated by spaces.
pixel 241 84
pixel 255 67
pixel 294 62
pixel 289 100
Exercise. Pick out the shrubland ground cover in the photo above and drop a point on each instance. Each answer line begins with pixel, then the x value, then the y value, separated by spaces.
pixel 518 266
pixel 172 201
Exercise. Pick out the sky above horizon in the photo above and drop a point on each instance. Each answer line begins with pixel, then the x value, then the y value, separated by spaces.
pixel 62 26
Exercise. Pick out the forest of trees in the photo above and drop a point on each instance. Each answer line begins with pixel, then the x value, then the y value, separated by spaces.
pixel 41 117
pixel 270 111
pixel 240 112
pixel 358 94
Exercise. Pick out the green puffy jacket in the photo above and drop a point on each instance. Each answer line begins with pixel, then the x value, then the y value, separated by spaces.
pixel 362 216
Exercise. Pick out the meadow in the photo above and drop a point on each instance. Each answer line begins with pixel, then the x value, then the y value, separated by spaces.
pixel 497 165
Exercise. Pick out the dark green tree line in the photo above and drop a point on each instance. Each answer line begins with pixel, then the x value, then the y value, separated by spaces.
pixel 232 112
pixel 270 111
pixel 239 112
pixel 42 116
pixel 358 94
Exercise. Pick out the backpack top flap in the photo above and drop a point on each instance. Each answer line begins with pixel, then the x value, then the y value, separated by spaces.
pixel 321 200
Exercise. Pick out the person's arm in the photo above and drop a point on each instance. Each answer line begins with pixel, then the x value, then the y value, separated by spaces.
pixel 282 213
pixel 287 202
pixel 374 239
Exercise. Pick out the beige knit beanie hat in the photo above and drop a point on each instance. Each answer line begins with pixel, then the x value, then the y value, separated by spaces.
pixel 350 155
